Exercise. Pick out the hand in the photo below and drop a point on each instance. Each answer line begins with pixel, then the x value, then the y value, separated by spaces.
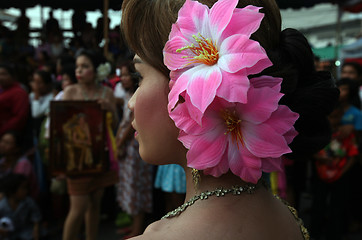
pixel 345 131
pixel 105 105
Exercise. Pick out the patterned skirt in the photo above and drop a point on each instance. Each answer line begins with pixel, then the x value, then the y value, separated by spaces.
pixel 134 190
pixel 87 185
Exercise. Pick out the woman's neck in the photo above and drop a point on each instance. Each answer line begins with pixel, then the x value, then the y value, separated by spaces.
pixel 209 183
pixel 89 86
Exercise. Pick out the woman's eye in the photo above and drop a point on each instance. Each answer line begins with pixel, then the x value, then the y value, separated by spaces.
pixel 138 77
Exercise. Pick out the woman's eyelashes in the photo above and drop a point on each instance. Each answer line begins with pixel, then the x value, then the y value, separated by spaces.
pixel 137 76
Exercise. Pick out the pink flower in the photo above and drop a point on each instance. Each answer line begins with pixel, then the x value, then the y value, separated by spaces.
pixel 246 138
pixel 210 53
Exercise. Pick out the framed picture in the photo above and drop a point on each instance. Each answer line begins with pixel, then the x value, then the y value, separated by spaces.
pixel 77 138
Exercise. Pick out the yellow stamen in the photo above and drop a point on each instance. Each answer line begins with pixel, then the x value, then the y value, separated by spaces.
pixel 233 126
pixel 205 52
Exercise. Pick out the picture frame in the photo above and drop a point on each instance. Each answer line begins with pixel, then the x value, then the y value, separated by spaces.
pixel 77 138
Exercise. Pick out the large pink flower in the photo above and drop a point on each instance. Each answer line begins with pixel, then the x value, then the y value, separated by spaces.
pixel 246 138
pixel 210 53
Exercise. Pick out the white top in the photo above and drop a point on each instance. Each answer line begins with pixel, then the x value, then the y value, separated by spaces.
pixel 40 106
pixel 119 91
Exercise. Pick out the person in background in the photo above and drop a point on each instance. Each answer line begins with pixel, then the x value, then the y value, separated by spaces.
pixel 14 101
pixel 352 122
pixel 85 192
pixel 332 182
pixel 171 179
pixel 13 160
pixel 19 214
pixel 353 70
pixel 40 98
pixel 62 60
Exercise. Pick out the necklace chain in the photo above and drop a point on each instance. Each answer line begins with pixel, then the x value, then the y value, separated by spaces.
pixel 94 95
pixel 219 192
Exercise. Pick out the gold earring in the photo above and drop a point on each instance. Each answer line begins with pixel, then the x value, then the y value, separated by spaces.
pixel 196 178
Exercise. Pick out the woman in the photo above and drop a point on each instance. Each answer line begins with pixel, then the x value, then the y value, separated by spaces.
pixel 40 98
pixel 14 161
pixel 135 185
pixel 86 192
pixel 209 88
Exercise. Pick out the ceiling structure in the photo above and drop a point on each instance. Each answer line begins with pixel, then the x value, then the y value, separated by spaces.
pixel 87 5
pixel 91 5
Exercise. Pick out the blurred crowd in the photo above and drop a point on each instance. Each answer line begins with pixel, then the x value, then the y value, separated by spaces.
pixel 33 76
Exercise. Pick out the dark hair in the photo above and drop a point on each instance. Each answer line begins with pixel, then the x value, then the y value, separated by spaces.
pixel 310 93
pixel 19 139
pixel 45 76
pixel 69 69
pixel 147 24
pixel 65 59
pixel 353 95
pixel 10 184
pixel 10 68
pixel 95 57
pixel 355 65
pixel 135 76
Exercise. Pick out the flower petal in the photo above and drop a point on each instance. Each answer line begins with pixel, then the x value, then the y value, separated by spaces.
pixel 180 115
pixel 172 59
pixel 262 140
pixel 290 135
pixel 244 164
pixel 234 87
pixel 244 21
pixel 178 87
pixel 258 67
pixel 193 18
pixel 207 150
pixel 220 15
pixel 238 51
pixel 267 81
pixel 203 85
pixel 186 139
pixel 282 119
pixel 271 164
pixel 258 110
pixel 219 169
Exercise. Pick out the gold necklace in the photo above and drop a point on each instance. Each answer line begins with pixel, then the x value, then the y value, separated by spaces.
pixel 94 95
pixel 219 192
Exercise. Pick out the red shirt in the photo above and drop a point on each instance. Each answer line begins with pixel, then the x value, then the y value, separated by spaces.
pixel 14 108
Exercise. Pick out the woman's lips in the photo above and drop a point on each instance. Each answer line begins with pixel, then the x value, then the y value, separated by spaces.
pixel 135 133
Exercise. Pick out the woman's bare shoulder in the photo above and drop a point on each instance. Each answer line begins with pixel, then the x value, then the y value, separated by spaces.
pixel 226 221
pixel 70 92
pixel 156 230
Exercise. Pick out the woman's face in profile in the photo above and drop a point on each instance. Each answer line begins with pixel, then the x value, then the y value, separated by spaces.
pixel 155 131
